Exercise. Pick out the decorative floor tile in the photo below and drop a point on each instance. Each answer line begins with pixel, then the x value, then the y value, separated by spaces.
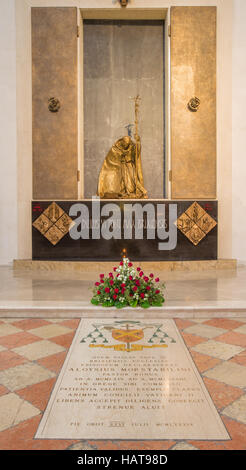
pixel 64 340
pixel 38 394
pixel 199 320
pixel 3 390
pixel 29 323
pixel 53 362
pixel 232 337
pixel 241 329
pixel 203 362
pixel 23 375
pixel 18 339
pixel 205 331
pixel 240 358
pixel 73 323
pixel 50 331
pixel 237 432
pixel 217 349
pixel 229 373
pixel 224 323
pixel 183 446
pixel 182 323
pixel 38 350
pixel 222 394
pixel 7 329
pixel 10 359
pixel 21 437
pixel 14 409
pixel 32 383
pixel 82 445
pixel 237 410
pixel 191 340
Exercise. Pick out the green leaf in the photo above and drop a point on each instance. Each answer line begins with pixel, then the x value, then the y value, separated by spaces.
pixel 95 301
pixel 157 304
pixel 120 304
pixel 145 305
pixel 133 303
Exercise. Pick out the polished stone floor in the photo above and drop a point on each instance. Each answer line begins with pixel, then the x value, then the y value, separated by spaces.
pixel 40 293
pixel 32 352
pixel 40 312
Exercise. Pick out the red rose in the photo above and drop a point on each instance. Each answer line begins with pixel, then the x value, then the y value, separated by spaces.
pixel 141 273
pixel 111 282
pixel 130 265
pixel 131 295
pixel 102 281
pixel 116 290
pixel 146 279
pixel 130 278
pixel 157 291
pixel 138 269
pixel 137 283
pixel 97 283
pixel 122 285
pixel 121 263
pixel 101 275
pixel 147 287
pixel 142 295
pixel 151 275
pixel 157 279
pixel 114 297
pixel 107 289
pixel 135 288
pixel 99 292
pixel 111 275
pixel 115 269
pixel 123 290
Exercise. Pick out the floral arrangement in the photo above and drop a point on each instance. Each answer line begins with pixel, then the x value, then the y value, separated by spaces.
pixel 127 286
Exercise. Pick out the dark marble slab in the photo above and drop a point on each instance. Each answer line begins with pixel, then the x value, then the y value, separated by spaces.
pixel 110 250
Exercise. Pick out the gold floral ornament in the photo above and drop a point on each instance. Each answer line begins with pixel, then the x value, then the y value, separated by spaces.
pixel 53 223
pixel 194 104
pixel 195 223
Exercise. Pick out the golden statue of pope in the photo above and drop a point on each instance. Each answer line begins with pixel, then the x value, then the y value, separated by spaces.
pixel 121 173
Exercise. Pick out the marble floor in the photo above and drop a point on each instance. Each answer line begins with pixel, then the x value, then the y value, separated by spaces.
pixel 40 293
pixel 40 313
pixel 32 352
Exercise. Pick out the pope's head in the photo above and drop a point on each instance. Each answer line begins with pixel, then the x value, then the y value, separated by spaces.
pixel 125 142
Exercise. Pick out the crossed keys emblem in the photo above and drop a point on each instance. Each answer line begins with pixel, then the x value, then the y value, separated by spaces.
pixel 127 333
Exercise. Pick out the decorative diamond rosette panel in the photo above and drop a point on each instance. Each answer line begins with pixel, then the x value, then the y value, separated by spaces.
pixel 53 223
pixel 195 223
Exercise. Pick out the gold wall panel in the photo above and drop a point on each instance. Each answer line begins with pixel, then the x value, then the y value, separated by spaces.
pixel 54 75
pixel 193 75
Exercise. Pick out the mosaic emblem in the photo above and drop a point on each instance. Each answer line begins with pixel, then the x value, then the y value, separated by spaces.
pixel 53 223
pixel 126 333
pixel 195 223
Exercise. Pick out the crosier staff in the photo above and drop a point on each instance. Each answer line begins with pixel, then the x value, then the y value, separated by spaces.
pixel 137 138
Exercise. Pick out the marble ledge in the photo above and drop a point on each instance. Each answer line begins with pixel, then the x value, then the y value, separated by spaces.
pixel 83 309
pixel 101 266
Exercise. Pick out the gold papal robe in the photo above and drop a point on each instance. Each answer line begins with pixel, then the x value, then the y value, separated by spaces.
pixel 121 176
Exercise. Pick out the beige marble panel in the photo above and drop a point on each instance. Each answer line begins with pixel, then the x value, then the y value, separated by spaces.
pixel 14 409
pixel 229 373
pixel 54 74
pixel 127 380
pixel 23 375
pixel 193 74
pixel 222 264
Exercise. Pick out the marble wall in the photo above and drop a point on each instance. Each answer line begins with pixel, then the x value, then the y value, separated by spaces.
pixel 8 158
pixel 121 60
